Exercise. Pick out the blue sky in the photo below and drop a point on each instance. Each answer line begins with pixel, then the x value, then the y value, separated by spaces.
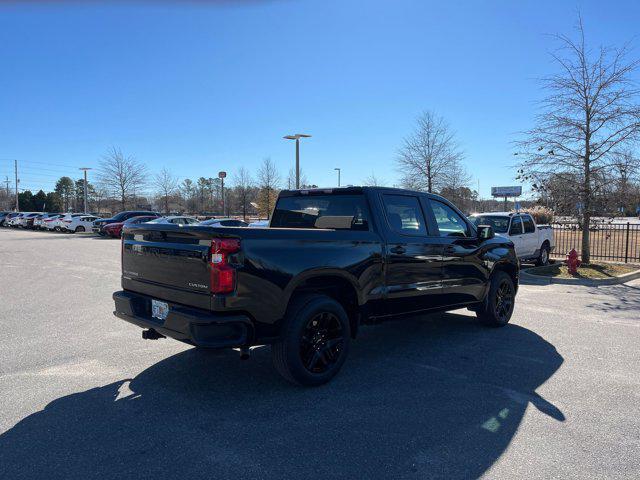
pixel 198 86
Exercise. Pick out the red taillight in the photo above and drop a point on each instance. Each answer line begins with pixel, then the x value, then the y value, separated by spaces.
pixel 223 275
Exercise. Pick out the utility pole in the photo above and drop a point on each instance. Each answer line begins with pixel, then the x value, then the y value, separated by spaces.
pixel 7 181
pixel 84 169
pixel 297 138
pixel 15 163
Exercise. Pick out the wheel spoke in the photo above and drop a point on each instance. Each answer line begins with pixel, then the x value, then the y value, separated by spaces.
pixel 313 361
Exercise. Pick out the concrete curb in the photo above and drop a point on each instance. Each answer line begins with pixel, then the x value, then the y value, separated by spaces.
pixel 529 279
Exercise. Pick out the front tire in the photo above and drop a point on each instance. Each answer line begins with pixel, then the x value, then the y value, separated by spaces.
pixel 314 341
pixel 80 229
pixel 498 307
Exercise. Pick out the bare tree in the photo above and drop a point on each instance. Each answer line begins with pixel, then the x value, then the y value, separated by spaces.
pixel 243 185
pixel 167 186
pixel 187 191
pixel 457 177
pixel 373 181
pixel 428 154
pixel 291 179
pixel 590 113
pixel 268 183
pixel 121 175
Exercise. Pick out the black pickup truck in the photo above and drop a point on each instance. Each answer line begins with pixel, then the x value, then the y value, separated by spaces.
pixel 330 261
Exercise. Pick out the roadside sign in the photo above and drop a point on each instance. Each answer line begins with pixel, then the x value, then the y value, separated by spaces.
pixel 514 191
pixel 222 174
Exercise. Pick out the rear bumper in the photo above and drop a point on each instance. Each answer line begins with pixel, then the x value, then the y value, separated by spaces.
pixel 190 325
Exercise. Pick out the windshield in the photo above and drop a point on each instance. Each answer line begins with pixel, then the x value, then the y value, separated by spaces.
pixel 500 224
pixel 344 212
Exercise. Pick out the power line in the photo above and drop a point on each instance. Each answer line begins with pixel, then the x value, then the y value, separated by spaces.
pixel 40 163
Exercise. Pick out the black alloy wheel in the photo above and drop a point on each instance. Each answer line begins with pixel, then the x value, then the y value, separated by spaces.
pixel 314 341
pixel 497 308
pixel 322 340
pixel 504 300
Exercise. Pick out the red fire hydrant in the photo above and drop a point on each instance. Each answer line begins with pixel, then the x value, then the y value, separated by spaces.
pixel 573 262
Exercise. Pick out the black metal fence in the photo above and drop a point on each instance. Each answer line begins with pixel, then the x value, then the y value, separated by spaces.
pixel 616 242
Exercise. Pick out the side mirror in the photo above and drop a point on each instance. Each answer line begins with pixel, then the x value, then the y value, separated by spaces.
pixel 485 232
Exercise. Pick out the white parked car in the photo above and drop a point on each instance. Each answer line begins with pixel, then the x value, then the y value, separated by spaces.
pixel 14 221
pixel 39 224
pixel 21 220
pixel 49 223
pixel 59 224
pixel 82 223
pixel 532 242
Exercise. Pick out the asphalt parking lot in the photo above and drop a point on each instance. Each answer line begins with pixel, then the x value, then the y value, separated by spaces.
pixel 556 394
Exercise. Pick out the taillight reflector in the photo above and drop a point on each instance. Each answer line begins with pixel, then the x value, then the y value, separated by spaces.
pixel 223 275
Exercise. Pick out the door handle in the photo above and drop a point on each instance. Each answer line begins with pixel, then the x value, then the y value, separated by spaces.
pixel 450 249
pixel 399 249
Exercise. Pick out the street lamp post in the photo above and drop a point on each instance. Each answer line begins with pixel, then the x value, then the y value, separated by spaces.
pixel 222 176
pixel 297 138
pixel 84 169
pixel 338 170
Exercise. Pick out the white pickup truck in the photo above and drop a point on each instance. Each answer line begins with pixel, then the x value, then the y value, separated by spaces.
pixel 532 242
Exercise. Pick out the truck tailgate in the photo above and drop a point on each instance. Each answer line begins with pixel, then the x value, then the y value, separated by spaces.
pixel 170 262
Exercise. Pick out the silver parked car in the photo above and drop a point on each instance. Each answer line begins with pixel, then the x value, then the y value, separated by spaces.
pixel 176 220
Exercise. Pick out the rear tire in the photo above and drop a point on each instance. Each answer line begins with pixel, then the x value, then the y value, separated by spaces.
pixel 80 229
pixel 314 341
pixel 497 308
pixel 543 258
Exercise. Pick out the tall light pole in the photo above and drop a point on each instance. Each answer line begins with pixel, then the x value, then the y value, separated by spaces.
pixel 338 170
pixel 15 164
pixel 297 138
pixel 84 169
pixel 221 176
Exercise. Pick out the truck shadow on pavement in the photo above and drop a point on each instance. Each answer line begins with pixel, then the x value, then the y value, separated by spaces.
pixel 622 298
pixel 440 397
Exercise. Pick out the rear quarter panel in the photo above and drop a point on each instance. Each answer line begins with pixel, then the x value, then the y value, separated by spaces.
pixel 276 261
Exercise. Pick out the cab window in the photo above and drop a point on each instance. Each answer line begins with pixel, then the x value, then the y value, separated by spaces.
pixel 404 214
pixel 529 226
pixel 450 223
pixel 516 226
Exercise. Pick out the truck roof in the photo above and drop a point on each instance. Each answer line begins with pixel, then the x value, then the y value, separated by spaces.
pixel 499 214
pixel 351 189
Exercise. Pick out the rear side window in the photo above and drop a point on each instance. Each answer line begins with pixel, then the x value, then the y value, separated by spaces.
pixel 516 226
pixel 338 212
pixel 450 223
pixel 529 226
pixel 404 214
